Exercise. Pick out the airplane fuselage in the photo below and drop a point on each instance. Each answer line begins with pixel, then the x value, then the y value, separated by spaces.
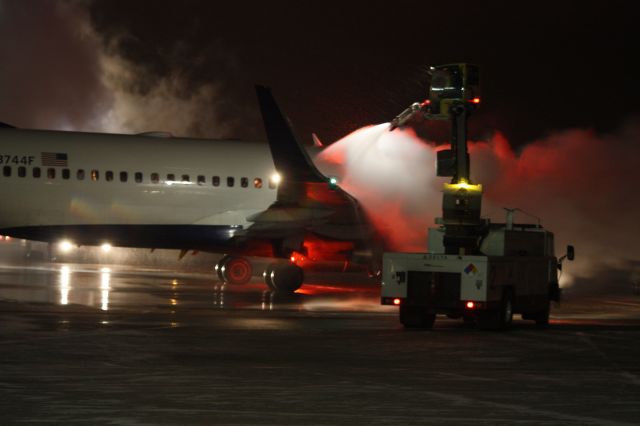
pixel 139 190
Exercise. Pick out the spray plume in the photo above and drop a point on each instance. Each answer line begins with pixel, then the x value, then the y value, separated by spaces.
pixel 575 181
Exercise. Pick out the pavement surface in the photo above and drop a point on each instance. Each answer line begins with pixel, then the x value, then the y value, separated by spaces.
pixel 96 344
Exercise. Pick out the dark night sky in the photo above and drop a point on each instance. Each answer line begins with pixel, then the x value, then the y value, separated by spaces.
pixel 336 66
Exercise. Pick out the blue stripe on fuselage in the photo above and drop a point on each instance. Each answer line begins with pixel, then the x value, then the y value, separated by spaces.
pixel 194 237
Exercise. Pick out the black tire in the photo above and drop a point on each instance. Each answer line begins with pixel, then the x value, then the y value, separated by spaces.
pixel 554 292
pixel 542 317
pixel 506 311
pixel 415 317
pixel 219 265
pixel 498 319
pixel 266 276
pixel 284 278
pixel 234 270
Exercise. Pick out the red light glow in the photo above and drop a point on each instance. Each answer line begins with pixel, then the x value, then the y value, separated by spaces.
pixel 470 305
pixel 396 301
pixel 475 100
pixel 557 172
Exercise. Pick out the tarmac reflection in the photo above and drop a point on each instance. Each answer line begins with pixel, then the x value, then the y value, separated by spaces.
pixel 105 279
pixel 65 284
pixel 115 288
pixel 267 300
pixel 218 295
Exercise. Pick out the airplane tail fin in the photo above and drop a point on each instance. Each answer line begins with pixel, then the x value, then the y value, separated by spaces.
pixel 290 158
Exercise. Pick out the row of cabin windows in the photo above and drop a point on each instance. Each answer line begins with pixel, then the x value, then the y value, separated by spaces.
pixel 138 177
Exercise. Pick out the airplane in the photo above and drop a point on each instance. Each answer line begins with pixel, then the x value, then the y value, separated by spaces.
pixel 242 199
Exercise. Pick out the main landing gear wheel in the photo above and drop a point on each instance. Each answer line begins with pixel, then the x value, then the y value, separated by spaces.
pixel 234 270
pixel 283 277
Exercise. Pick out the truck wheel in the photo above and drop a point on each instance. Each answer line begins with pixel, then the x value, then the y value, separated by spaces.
pixel 498 319
pixel 506 311
pixel 542 317
pixel 416 317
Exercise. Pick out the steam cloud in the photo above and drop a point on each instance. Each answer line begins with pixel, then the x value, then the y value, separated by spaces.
pixel 59 73
pixel 575 181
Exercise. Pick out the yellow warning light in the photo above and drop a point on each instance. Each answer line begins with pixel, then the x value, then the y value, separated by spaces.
pixel 463 184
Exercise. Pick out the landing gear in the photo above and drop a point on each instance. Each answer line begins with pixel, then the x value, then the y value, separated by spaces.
pixel 234 270
pixel 283 277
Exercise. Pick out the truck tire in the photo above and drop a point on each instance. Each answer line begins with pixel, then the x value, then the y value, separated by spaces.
pixel 416 317
pixel 542 317
pixel 498 319
pixel 554 292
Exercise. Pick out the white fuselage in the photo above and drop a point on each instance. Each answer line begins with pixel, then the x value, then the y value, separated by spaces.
pixel 199 182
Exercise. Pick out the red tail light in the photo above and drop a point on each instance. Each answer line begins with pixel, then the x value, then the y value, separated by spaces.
pixel 396 301
pixel 470 305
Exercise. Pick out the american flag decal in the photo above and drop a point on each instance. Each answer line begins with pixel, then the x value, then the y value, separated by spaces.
pixel 55 159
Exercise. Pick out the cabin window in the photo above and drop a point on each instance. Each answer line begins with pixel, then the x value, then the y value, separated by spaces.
pixel 108 175
pixel 36 172
pixel 124 176
pixel 171 177
pixel 51 173
pixel 244 182
pixel 80 174
pixel 257 183
pixel 155 178
pixel 230 181
pixel 138 177
pixel 215 181
pixel 185 178
pixel 22 171
pixel 66 173
pixel 6 171
pixel 95 175
pixel 201 180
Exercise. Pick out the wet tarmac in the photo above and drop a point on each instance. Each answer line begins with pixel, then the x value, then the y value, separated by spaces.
pixel 106 344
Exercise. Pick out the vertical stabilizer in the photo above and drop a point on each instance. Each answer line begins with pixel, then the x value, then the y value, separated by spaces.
pixel 290 158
